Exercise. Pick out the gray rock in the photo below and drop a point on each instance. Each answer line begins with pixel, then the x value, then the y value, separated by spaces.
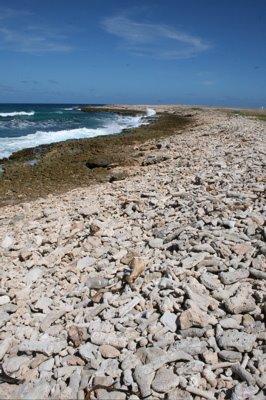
pixel 194 316
pixel 114 395
pixel 126 308
pixel 47 365
pixel 156 243
pixel 47 346
pixel 144 375
pixel 240 341
pixel 229 224
pixel 32 392
pixel 4 346
pixel 127 377
pixel 74 382
pixel 243 374
pixel 96 283
pixel 4 300
pixel 210 281
pixel 228 278
pixel 13 364
pixel 190 368
pixel 4 317
pixel 242 392
pixel 203 247
pixel 165 380
pixel 192 346
pixel 112 339
pixel 7 242
pixel 108 351
pixel 231 356
pixel 50 319
pixel 33 275
pixel 85 262
pixel 230 323
pixel 88 351
pixel 168 319
pixel 194 260
pixel 240 304
pixel 179 394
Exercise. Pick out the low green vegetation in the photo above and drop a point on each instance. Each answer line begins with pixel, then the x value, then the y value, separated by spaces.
pixel 253 113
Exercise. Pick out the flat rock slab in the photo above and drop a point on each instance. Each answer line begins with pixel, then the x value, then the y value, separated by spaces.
pixel 228 278
pixel 165 380
pixel 47 346
pixel 240 341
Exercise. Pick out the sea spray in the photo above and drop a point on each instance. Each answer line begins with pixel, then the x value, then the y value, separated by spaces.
pixel 50 124
pixel 150 112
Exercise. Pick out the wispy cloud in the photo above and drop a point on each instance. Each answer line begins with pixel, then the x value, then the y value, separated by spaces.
pixel 17 34
pixel 154 40
pixel 53 81
pixel 208 82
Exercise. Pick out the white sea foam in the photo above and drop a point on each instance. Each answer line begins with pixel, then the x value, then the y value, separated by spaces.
pixel 16 113
pixel 150 112
pixel 9 145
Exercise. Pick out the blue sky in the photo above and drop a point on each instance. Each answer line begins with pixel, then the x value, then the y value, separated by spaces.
pixel 209 52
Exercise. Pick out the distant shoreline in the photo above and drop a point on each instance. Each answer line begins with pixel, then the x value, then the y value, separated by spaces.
pixel 62 166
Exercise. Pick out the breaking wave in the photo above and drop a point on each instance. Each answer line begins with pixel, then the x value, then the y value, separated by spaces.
pixel 16 113
pixel 9 145
pixel 150 112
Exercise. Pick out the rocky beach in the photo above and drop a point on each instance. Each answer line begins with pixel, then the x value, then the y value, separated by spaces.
pixel 149 284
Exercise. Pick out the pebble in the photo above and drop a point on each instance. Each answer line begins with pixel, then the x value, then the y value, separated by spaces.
pixel 108 351
pixel 4 300
pixel 155 284
pixel 168 319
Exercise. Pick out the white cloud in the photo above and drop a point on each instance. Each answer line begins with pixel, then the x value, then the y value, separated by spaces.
pixel 16 34
pixel 154 40
pixel 208 82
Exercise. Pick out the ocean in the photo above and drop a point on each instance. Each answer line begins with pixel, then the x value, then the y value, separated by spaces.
pixel 30 125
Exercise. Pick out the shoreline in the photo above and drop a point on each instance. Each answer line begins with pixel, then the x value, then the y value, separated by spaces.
pixel 58 167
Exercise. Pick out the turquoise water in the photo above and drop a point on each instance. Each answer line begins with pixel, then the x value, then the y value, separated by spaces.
pixel 30 125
